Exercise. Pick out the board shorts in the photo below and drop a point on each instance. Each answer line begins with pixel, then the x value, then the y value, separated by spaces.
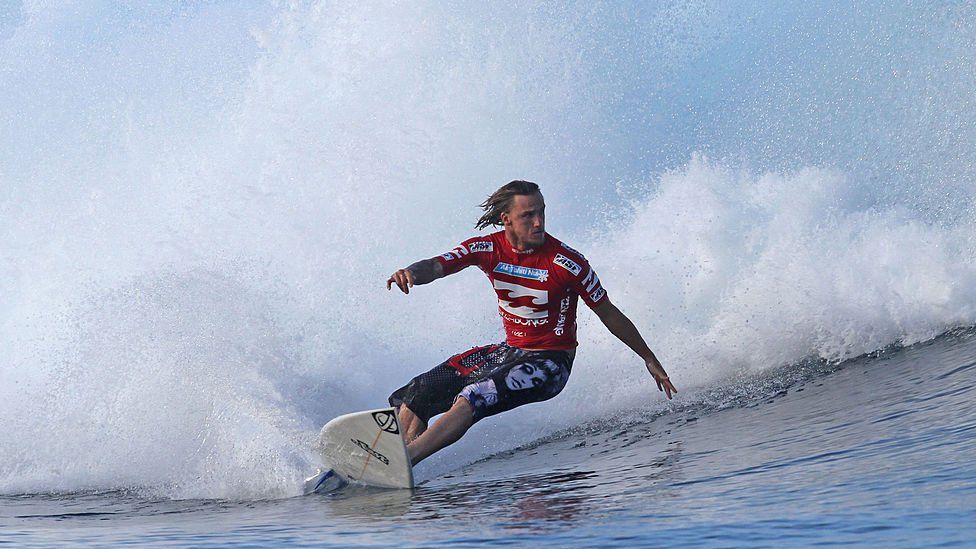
pixel 493 378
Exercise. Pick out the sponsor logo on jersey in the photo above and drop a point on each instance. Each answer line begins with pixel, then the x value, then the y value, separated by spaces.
pixel 591 281
pixel 561 323
pixel 535 323
pixel 456 253
pixel 371 451
pixel 568 264
pixel 481 246
pixel 508 293
pixel 598 294
pixel 522 272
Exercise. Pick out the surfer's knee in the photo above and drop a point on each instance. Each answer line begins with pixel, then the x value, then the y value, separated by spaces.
pixel 452 425
pixel 462 401
pixel 465 411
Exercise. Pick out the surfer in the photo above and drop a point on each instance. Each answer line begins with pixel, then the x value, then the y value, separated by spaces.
pixel 537 279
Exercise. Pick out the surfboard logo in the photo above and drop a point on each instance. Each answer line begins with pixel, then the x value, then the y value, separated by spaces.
pixel 387 422
pixel 370 451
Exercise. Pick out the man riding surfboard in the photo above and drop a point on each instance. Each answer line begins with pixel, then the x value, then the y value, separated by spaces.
pixel 538 280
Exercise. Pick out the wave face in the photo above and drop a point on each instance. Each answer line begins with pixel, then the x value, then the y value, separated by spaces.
pixel 199 206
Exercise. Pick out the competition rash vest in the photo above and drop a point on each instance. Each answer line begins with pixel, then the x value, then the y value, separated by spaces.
pixel 537 289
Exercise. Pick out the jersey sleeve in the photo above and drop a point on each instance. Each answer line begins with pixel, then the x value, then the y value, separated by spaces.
pixel 589 287
pixel 583 279
pixel 470 252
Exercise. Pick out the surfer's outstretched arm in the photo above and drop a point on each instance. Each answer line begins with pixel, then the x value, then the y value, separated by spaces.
pixel 424 271
pixel 621 326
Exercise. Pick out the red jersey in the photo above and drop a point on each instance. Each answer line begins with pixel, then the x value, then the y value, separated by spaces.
pixel 537 289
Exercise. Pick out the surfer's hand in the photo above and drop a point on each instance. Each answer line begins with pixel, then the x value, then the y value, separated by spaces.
pixel 403 278
pixel 661 378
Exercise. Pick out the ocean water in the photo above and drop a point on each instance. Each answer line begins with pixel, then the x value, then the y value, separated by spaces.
pixel 869 451
pixel 200 204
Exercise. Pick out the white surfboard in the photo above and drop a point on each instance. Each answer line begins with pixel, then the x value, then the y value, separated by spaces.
pixel 364 447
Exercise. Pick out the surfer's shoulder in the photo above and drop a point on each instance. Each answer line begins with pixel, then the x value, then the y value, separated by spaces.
pixel 559 247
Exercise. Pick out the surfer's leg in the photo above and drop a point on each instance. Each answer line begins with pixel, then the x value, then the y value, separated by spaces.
pixel 410 425
pixel 433 393
pixel 446 431
pixel 424 397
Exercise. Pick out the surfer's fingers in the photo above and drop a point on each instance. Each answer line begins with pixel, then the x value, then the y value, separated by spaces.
pixel 669 388
pixel 397 279
pixel 402 281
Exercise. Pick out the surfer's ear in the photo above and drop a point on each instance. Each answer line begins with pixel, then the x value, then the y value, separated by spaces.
pixel 505 219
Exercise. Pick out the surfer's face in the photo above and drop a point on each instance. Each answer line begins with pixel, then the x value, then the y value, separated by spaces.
pixel 525 221
pixel 525 376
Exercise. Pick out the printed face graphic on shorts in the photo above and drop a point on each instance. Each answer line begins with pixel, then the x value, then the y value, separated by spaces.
pixel 526 376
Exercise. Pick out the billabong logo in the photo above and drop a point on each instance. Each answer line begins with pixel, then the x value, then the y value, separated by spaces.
pixel 536 322
pixel 522 272
pixel 568 264
pixel 371 451
pixel 386 421
pixel 537 310
pixel 481 246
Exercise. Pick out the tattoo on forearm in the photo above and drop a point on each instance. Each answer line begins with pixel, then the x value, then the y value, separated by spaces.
pixel 423 271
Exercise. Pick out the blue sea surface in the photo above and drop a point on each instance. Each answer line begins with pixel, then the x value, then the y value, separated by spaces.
pixel 873 451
